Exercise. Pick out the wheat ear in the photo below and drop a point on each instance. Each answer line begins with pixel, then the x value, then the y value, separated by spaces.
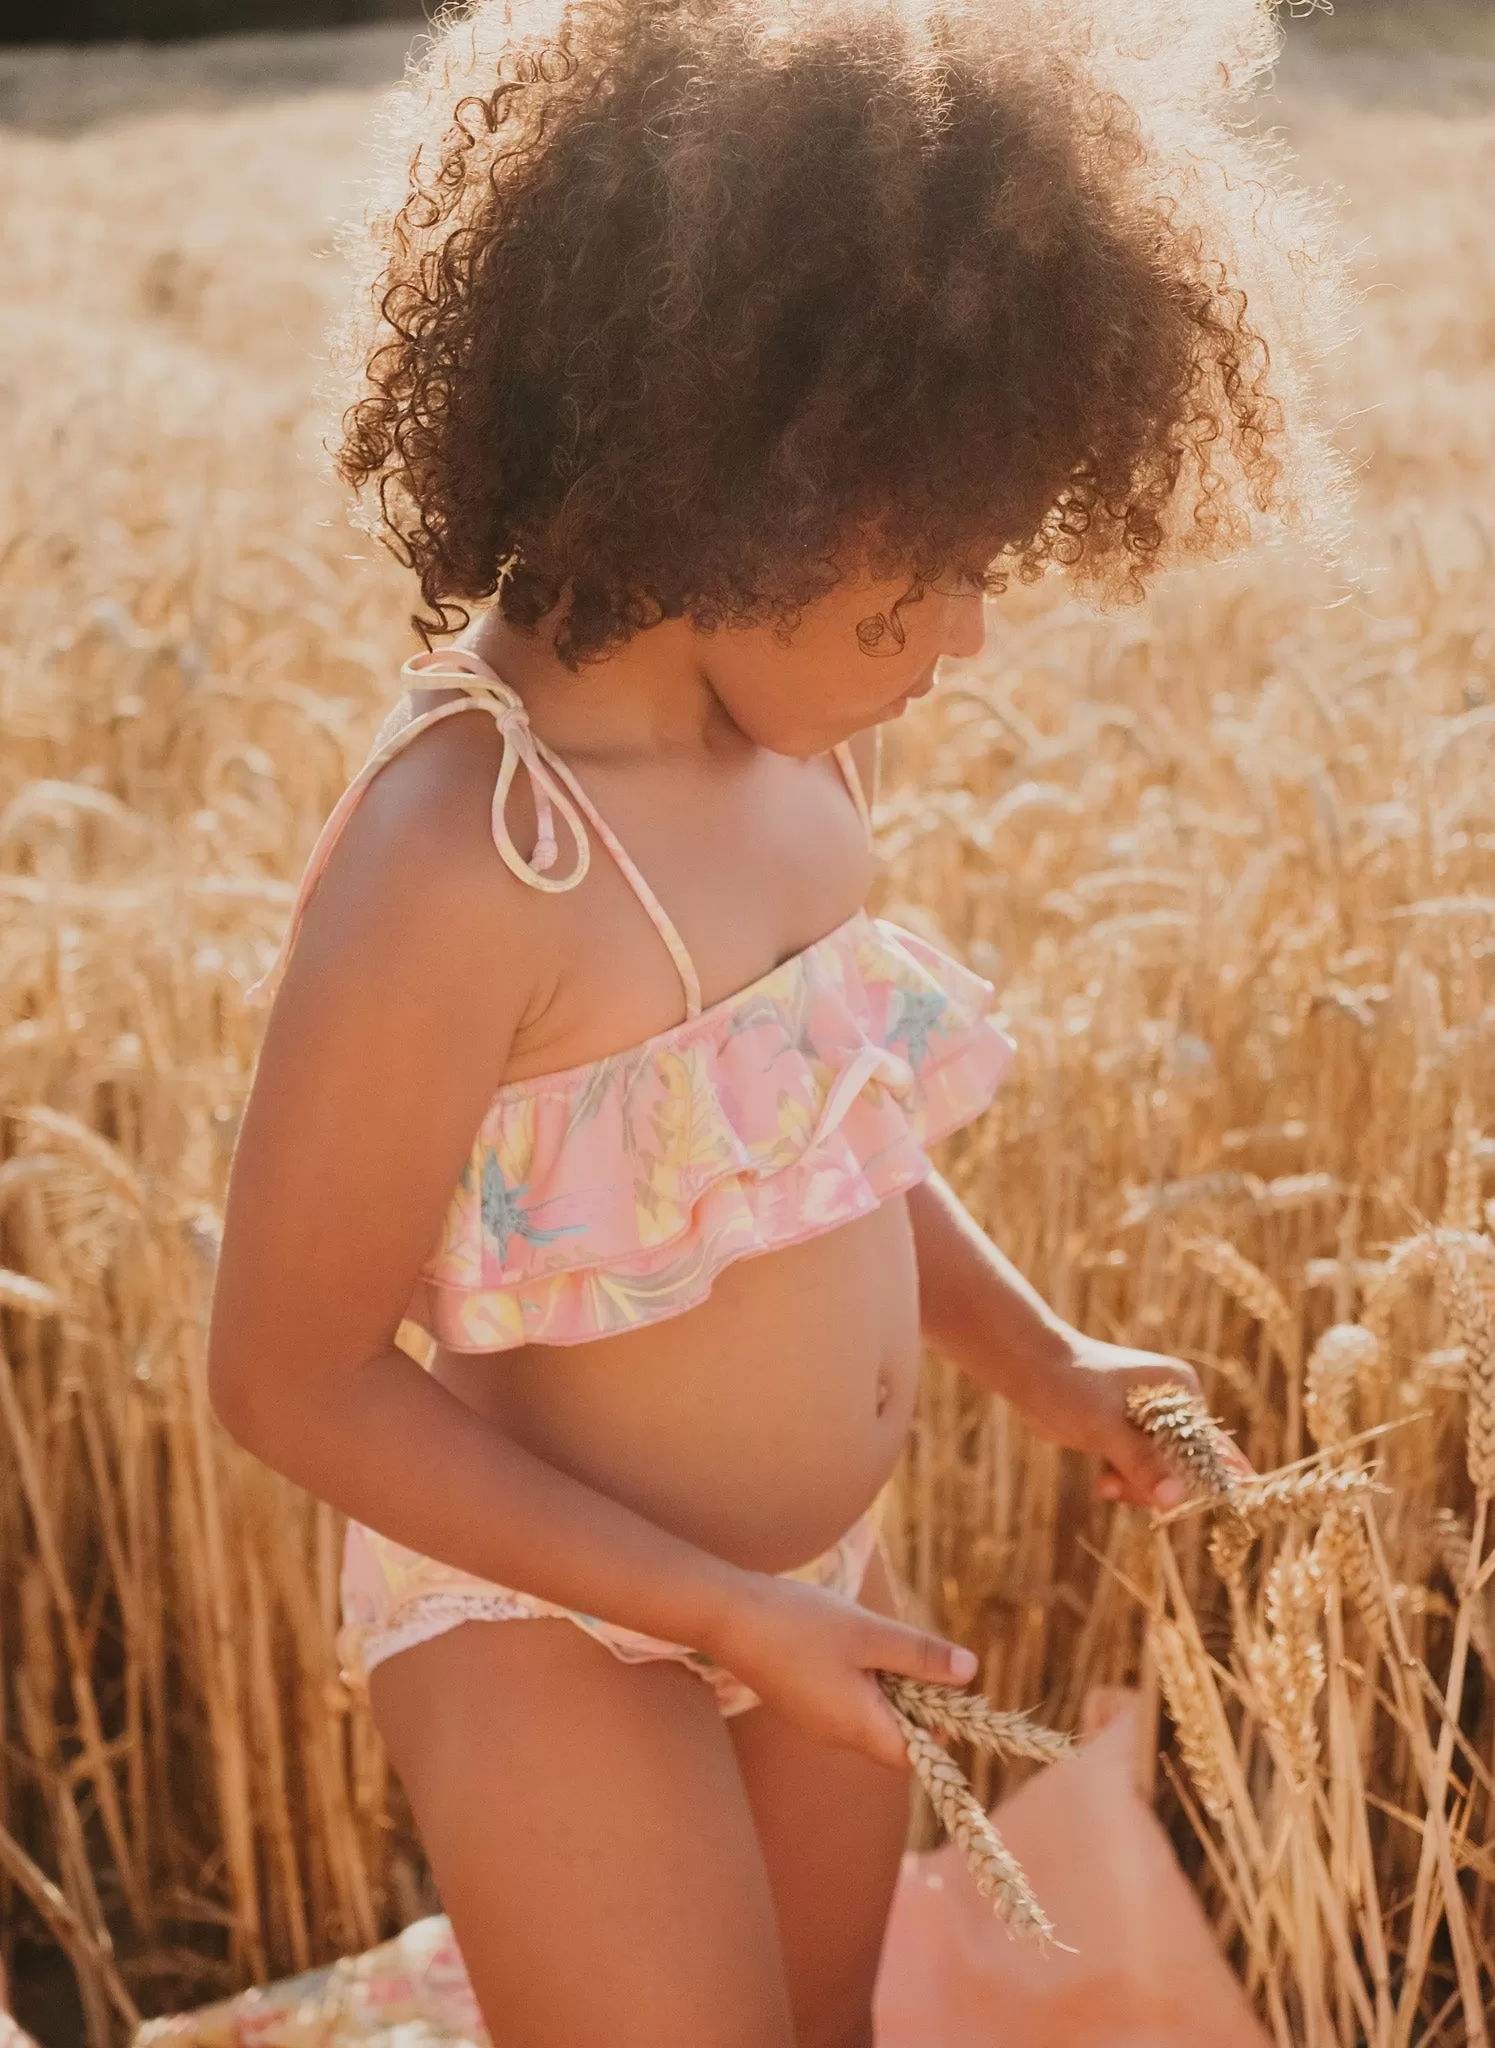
pixel 997 1873
pixel 1247 1284
pixel 1464 1275
pixel 1187 1432
pixel 1344 1355
pixel 1188 1689
pixel 1311 1491
pixel 968 1717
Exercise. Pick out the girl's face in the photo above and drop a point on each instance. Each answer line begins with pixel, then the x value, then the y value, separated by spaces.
pixel 844 669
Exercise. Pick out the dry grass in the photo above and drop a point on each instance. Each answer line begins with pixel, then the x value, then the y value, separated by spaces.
pixel 1231 861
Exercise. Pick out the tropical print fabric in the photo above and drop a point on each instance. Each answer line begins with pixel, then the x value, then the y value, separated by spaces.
pixel 610 1195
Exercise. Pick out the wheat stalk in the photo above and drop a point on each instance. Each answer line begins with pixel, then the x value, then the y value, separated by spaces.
pixel 1454 1545
pixel 1410 1260
pixel 1312 1491
pixel 1230 1543
pixel 1287 1663
pixel 26 1296
pixel 1346 1549
pixel 1444 1371
pixel 116 1178
pixel 1290 1192
pixel 1461 1200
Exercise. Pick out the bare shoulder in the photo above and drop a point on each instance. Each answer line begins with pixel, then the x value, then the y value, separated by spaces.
pixel 435 796
pixel 415 889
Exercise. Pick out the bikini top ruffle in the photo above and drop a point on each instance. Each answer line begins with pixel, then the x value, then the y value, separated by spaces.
pixel 610 1195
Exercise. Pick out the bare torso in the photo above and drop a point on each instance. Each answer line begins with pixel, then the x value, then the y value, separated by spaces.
pixel 760 1424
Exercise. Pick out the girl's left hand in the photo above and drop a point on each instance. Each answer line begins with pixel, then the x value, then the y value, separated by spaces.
pixel 1081 1404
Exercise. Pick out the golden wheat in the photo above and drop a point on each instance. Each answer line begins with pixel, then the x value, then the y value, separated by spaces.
pixel 969 1717
pixel 1346 1354
pixel 1287 1659
pixel 1187 1432
pixel 997 1872
pixel 1227 859
pixel 1189 1694
pixel 926 1710
pixel 1465 1270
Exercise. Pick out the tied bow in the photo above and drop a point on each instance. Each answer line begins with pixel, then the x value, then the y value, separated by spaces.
pixel 549 776
pixel 550 780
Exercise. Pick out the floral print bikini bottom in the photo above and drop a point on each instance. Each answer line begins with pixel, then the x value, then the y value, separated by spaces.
pixel 393 1597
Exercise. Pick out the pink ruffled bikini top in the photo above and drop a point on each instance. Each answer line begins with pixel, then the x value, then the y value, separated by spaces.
pixel 610 1195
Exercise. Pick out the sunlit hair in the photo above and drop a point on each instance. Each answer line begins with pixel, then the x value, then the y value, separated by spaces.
pixel 679 308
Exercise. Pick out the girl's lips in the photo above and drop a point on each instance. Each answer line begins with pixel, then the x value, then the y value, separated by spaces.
pixel 900 704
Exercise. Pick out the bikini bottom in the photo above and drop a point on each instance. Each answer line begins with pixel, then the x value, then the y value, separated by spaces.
pixel 393 1597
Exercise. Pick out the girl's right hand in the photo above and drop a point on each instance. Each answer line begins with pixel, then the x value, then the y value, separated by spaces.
pixel 811 1653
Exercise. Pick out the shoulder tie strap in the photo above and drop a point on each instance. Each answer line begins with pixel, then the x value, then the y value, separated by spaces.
pixel 553 786
pixel 545 767
pixel 853 779
pixel 547 772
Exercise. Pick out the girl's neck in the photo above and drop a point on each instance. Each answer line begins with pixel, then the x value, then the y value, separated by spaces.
pixel 654 695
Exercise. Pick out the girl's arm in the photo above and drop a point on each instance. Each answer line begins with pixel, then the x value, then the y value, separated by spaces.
pixel 418 959
pixel 415 964
pixel 977 1308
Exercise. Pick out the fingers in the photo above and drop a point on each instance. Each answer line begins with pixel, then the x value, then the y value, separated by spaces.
pixel 1140 1469
pixel 881 1736
pixel 1140 1472
pixel 1168 1492
pixel 1236 1458
pixel 914 1653
pixel 881 1643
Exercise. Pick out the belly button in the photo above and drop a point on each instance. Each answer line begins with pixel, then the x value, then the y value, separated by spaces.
pixel 883 1391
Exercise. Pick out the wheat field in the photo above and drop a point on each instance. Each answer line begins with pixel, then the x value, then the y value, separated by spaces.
pixel 1231 859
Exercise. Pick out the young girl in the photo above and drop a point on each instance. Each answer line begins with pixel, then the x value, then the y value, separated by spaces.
pixel 582 1235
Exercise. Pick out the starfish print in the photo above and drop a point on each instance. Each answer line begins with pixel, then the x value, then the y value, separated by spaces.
pixel 504 1217
pixel 914 1017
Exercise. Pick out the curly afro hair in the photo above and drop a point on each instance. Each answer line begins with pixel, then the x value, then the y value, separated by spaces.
pixel 681 307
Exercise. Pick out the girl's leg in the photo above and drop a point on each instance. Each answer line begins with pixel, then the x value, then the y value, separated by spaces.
pixel 832 1826
pixel 590 1838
